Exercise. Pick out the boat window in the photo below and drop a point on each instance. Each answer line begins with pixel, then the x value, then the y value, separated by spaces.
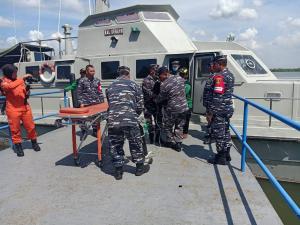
pixel 161 16
pixel 34 71
pixel 249 64
pixel 203 66
pixel 109 70
pixel 184 62
pixel 39 56
pixel 129 17
pixel 142 67
pixel 103 22
pixel 63 72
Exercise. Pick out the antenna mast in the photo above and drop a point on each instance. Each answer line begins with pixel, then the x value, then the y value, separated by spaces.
pixel 101 6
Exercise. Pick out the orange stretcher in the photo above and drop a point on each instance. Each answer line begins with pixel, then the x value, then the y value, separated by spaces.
pixel 85 117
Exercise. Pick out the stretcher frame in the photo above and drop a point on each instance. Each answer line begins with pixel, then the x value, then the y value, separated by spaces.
pixel 88 120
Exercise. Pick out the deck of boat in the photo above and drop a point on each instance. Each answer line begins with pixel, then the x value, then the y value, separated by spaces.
pixel 181 188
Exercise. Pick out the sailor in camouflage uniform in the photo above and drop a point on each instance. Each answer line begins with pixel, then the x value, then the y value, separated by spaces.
pixel 89 89
pixel 172 90
pixel 221 107
pixel 125 100
pixel 207 99
pixel 89 92
pixel 150 110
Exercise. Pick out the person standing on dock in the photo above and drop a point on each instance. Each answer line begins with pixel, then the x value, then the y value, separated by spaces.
pixel 221 107
pixel 89 92
pixel 18 108
pixel 150 109
pixel 125 105
pixel 172 91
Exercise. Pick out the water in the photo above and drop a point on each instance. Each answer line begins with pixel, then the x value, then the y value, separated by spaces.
pixel 282 209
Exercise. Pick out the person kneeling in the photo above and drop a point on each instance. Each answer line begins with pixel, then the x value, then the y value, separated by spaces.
pixel 18 108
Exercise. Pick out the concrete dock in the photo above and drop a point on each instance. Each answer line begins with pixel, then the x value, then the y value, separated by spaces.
pixel 180 188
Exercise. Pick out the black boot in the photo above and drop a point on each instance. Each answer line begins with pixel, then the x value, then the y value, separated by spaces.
pixel 220 158
pixel 141 169
pixel 19 150
pixel 118 173
pixel 157 139
pixel 177 146
pixel 35 145
pixel 228 157
pixel 151 138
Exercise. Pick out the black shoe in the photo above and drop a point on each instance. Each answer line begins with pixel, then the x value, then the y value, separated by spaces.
pixel 19 150
pixel 118 173
pixel 35 145
pixel 141 169
pixel 219 158
pixel 177 147
pixel 157 139
pixel 151 138
pixel 94 133
pixel 207 136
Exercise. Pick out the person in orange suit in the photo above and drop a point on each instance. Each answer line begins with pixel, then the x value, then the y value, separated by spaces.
pixel 18 108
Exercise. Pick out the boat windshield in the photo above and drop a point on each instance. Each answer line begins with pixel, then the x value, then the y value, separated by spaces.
pixel 159 16
pixel 249 64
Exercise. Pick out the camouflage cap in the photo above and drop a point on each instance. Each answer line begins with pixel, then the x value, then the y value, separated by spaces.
pixel 162 69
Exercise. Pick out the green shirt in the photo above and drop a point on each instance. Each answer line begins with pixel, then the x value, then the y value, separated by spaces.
pixel 188 94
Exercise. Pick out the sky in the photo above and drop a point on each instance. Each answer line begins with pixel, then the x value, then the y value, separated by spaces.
pixel 271 28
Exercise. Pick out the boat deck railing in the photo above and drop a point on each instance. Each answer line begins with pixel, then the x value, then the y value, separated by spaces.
pixel 40 94
pixel 246 147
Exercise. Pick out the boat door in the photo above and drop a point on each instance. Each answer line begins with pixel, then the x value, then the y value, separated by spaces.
pixel 201 73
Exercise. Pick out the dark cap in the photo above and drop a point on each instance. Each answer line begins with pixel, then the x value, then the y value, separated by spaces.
pixel 82 70
pixel 154 66
pixel 175 62
pixel 219 58
pixel 123 70
pixel 8 70
pixel 162 69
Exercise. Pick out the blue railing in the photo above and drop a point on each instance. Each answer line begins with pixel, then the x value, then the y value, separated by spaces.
pixel 41 117
pixel 245 146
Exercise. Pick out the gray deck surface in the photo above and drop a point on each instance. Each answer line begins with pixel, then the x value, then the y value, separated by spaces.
pixel 46 188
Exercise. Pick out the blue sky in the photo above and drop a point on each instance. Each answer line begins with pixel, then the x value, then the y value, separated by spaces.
pixel 271 28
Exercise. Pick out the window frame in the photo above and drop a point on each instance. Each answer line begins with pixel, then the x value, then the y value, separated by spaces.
pixel 37 76
pixel 157 20
pixel 136 67
pixel 255 61
pixel 130 21
pixel 56 69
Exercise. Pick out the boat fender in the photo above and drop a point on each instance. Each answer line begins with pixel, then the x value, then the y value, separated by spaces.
pixel 45 78
pixel 219 85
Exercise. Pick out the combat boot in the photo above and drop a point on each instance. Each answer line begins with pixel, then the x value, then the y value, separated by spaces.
pixel 228 157
pixel 35 145
pixel 19 150
pixel 177 146
pixel 157 138
pixel 118 173
pixel 141 169
pixel 220 158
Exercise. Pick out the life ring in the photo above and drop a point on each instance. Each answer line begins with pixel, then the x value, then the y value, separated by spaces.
pixel 47 73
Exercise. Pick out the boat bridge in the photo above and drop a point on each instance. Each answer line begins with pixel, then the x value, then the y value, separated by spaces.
pixel 180 188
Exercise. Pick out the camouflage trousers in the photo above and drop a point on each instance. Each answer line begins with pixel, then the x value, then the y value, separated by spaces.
pixel 221 132
pixel 154 119
pixel 116 138
pixel 173 124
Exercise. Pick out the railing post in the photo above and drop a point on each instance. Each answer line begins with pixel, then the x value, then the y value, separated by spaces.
pixel 271 107
pixel 245 124
pixel 65 99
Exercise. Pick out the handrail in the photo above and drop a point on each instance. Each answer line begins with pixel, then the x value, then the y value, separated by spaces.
pixel 41 117
pixel 245 146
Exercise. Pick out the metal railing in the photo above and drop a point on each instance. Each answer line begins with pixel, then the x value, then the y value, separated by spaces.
pixel 41 117
pixel 245 146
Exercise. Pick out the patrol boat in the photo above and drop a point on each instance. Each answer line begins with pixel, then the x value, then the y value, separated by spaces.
pixel 138 36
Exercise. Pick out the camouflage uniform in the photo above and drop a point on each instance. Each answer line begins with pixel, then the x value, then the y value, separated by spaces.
pixel 89 91
pixel 207 99
pixel 150 110
pixel 125 99
pixel 172 90
pixel 222 109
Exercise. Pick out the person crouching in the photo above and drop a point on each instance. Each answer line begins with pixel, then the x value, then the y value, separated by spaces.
pixel 18 108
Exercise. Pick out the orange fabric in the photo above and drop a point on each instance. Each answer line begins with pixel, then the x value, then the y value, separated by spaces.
pixel 86 111
pixel 14 121
pixel 15 93
pixel 16 110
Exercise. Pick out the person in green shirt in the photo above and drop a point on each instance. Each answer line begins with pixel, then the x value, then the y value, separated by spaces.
pixel 184 73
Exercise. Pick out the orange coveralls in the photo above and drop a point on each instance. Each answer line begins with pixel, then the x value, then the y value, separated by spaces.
pixel 16 110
